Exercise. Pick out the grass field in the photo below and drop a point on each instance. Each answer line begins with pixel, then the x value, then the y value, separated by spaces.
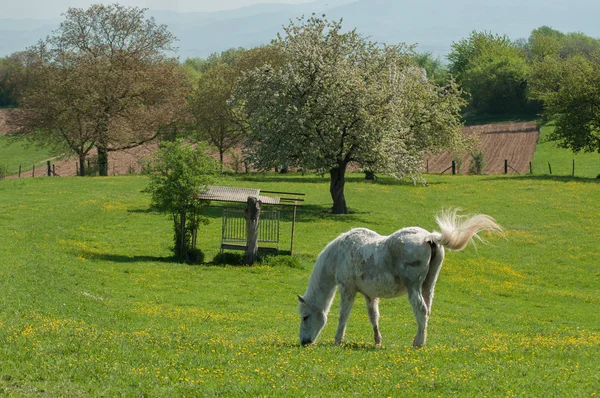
pixel 91 304
pixel 561 160
pixel 15 154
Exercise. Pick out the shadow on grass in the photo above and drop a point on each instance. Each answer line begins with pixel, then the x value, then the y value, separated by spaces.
pixel 548 177
pixel 119 258
pixel 354 178
pixel 304 213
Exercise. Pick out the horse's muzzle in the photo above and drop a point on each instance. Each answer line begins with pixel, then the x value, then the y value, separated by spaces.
pixel 306 342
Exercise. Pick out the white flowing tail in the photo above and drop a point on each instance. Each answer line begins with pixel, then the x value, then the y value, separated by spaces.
pixel 457 231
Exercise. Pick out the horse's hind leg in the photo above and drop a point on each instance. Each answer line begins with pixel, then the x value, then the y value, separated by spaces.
pixel 346 301
pixel 373 310
pixel 435 265
pixel 421 314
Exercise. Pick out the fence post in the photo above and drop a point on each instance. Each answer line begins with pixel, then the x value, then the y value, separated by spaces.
pixel 505 166
pixel 453 167
pixel 427 170
pixel 573 168
pixel 19 171
pixel 252 214
pixel 33 171
pixel 549 168
pixel 49 169
pixel 530 168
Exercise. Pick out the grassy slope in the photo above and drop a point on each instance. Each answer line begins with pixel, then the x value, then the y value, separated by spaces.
pixel 92 306
pixel 15 154
pixel 561 160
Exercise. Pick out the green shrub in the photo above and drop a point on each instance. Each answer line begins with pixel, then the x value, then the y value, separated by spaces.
pixel 477 163
pixel 178 173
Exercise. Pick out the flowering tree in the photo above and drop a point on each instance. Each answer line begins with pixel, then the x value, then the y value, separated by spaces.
pixel 339 98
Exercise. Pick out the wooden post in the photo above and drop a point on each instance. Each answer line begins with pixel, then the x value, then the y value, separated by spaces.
pixel 505 166
pixel 573 174
pixel 252 213
pixel 427 169
pixel 293 229
pixel 453 167
pixel 49 168
pixel 549 168
pixel 530 168
pixel 54 170
pixel 33 171
pixel 19 171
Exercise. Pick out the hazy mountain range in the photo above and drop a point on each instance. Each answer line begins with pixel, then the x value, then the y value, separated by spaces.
pixel 432 24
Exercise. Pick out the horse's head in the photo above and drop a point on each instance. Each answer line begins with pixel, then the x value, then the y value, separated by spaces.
pixel 313 321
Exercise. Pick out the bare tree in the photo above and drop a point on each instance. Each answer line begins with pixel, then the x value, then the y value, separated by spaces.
pixel 120 84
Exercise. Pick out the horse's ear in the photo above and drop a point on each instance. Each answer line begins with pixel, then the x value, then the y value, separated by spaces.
pixel 301 299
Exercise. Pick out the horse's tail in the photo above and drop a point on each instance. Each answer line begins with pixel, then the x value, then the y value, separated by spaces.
pixel 457 231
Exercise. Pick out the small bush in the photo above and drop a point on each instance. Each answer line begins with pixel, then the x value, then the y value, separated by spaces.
pixel 195 256
pixel 477 163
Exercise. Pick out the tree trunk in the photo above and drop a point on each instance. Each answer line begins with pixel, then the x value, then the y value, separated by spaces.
pixel 182 244
pixel 82 165
pixel 221 152
pixel 252 214
pixel 102 161
pixel 336 189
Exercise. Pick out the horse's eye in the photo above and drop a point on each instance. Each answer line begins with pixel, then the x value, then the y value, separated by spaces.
pixel 305 318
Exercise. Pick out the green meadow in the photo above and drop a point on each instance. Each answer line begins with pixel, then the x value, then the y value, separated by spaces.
pixel 549 159
pixel 17 153
pixel 93 305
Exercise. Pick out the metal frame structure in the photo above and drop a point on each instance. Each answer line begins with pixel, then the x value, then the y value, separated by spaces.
pixel 233 234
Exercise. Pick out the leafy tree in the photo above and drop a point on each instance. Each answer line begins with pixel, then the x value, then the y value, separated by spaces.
pixel 493 70
pixel 13 77
pixel 436 70
pixel 57 111
pixel 570 91
pixel 211 116
pixel 546 42
pixel 178 173
pixel 215 119
pixel 339 98
pixel 119 61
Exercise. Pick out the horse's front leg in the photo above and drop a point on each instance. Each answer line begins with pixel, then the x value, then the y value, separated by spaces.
pixel 421 314
pixel 346 301
pixel 373 310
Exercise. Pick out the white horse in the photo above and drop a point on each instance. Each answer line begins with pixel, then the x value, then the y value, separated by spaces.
pixel 362 261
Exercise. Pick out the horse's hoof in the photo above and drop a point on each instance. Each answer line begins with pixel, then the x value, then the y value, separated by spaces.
pixel 378 340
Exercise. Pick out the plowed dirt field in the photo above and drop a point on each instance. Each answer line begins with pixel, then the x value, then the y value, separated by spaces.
pixel 514 142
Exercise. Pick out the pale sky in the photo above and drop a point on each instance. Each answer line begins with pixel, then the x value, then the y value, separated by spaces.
pixel 53 8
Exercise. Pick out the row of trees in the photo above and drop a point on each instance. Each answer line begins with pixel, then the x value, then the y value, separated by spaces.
pixel 551 72
pixel 316 98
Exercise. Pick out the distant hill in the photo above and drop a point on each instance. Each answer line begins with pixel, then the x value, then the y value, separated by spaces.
pixel 433 25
